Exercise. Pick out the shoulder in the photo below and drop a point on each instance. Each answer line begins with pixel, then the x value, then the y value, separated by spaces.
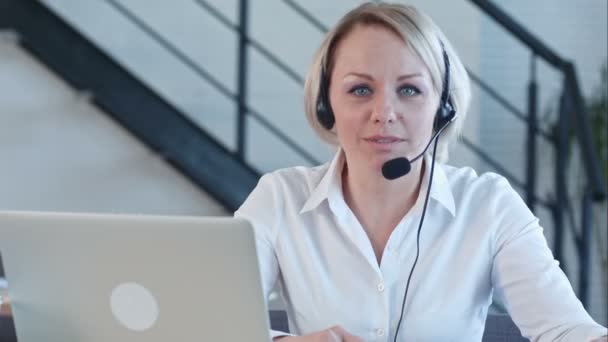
pixel 297 178
pixel 278 193
pixel 465 181
pixel 289 185
pixel 489 196
pixel 292 182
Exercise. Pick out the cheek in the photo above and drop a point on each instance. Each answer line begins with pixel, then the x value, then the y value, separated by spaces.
pixel 349 125
pixel 418 116
pixel 351 119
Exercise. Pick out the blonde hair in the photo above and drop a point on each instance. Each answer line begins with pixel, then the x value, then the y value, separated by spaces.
pixel 421 34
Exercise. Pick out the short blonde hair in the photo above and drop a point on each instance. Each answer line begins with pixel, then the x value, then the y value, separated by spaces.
pixel 421 34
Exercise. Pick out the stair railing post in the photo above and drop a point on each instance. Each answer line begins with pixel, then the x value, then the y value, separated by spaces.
pixel 242 79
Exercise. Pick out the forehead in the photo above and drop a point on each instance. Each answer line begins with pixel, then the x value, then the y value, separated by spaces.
pixel 374 47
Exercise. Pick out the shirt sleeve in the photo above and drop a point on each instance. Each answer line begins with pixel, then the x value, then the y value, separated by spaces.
pixel 527 278
pixel 262 209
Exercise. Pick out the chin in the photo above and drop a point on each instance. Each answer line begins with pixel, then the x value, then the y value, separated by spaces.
pixel 378 161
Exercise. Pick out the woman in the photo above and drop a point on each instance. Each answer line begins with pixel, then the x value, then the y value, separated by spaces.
pixel 364 250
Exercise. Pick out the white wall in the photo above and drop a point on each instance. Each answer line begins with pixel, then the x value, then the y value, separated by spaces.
pixel 59 153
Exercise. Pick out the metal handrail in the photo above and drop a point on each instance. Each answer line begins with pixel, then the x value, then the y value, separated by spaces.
pixel 500 169
pixel 598 186
pixel 536 45
pixel 272 58
pixel 506 104
pixel 209 78
pixel 306 15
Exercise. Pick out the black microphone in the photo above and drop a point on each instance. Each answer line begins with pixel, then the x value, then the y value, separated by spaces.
pixel 396 168
pixel 399 167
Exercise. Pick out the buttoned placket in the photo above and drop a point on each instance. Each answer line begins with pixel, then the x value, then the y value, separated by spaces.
pixel 354 231
pixel 387 271
pixel 399 252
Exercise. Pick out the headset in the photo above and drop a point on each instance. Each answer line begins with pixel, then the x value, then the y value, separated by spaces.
pixel 445 113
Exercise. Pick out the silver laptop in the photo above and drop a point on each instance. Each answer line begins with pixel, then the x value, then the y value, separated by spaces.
pixel 90 277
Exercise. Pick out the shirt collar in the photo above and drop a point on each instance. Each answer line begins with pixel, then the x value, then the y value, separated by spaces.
pixel 331 182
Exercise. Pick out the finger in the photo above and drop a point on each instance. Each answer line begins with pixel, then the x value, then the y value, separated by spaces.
pixel 345 336
pixel 335 334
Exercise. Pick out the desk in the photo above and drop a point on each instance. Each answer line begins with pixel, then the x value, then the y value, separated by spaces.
pixel 7 329
pixel 498 327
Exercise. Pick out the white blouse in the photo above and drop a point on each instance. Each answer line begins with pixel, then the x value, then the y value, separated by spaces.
pixel 478 237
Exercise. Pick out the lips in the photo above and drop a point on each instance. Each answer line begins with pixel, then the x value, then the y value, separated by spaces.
pixel 383 140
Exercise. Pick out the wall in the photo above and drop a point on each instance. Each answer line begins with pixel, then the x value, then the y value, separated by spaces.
pixel 60 153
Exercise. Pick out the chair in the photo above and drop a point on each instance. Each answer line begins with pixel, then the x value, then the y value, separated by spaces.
pixel 499 328
pixel 7 329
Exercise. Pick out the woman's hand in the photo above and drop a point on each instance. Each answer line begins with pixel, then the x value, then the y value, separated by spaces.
pixel 333 334
pixel 601 339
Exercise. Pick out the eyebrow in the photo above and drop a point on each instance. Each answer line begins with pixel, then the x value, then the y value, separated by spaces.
pixel 370 78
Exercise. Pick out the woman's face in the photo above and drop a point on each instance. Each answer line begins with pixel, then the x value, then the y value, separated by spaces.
pixel 382 96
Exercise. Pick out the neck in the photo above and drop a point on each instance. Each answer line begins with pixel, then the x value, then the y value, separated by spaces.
pixel 378 203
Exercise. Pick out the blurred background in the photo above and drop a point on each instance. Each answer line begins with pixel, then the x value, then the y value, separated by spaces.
pixel 177 107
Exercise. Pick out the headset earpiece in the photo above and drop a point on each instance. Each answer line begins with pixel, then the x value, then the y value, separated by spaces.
pixel 445 113
pixel 444 116
pixel 325 114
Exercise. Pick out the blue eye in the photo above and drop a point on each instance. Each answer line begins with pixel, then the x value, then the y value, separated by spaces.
pixel 360 91
pixel 408 91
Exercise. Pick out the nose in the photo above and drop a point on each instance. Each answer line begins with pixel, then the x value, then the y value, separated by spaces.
pixel 384 110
